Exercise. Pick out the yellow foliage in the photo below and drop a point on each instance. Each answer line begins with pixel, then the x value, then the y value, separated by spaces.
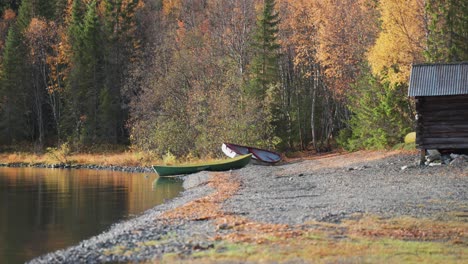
pixel 170 6
pixel 401 41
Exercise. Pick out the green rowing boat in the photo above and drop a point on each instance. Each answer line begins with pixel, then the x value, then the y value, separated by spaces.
pixel 222 165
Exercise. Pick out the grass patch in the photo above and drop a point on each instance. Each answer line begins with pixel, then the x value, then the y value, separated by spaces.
pixel 405 146
pixel 365 240
pixel 350 250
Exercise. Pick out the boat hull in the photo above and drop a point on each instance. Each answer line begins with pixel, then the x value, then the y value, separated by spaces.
pixel 261 156
pixel 223 165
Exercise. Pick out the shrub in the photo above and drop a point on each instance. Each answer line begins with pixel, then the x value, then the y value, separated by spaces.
pixel 60 154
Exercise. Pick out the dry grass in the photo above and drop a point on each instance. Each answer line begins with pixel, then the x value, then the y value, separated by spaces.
pixel 120 159
pixel 408 228
pixel 208 207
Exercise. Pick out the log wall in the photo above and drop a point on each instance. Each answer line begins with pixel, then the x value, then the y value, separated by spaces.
pixel 442 122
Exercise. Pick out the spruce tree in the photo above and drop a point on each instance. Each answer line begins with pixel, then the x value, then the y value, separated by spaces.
pixel 264 84
pixel 85 81
pixel 266 51
pixel 25 14
pixel 111 116
pixel 91 72
pixel 13 91
pixel 448 31
pixel 15 81
pixel 46 9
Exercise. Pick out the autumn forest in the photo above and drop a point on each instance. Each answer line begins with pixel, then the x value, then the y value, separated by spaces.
pixel 183 76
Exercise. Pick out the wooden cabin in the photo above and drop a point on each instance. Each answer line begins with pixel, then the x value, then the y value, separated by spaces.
pixel 441 94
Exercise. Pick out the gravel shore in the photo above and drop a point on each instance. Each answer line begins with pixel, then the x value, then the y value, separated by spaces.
pixel 328 189
pixel 334 188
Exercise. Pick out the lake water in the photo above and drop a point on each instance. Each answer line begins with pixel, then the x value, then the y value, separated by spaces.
pixel 42 210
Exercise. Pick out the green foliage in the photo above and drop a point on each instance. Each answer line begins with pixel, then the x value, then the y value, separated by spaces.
pixel 107 118
pixel 101 43
pixel 85 79
pixel 14 87
pixel 264 85
pixel 60 10
pixel 5 4
pixel 405 146
pixel 381 115
pixel 448 30
pixel 25 14
pixel 264 65
pixel 46 8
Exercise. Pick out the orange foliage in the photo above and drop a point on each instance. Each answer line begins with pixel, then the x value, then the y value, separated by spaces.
pixel 9 14
pixel 299 20
pixel 346 30
pixel 335 34
pixel 40 35
pixel 180 31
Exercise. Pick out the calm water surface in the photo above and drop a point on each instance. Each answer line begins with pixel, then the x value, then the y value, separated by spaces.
pixel 42 210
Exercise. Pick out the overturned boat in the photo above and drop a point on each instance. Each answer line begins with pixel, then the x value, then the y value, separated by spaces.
pixel 263 156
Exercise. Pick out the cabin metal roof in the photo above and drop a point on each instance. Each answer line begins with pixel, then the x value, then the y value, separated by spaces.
pixel 439 79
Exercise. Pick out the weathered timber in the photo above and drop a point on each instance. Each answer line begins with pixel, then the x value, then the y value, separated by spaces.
pixel 444 146
pixel 442 122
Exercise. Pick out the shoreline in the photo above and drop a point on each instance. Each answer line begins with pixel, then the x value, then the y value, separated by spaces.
pixel 130 169
pixel 95 248
pixel 341 199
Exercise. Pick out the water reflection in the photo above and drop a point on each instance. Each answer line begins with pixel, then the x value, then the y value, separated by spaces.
pixel 42 210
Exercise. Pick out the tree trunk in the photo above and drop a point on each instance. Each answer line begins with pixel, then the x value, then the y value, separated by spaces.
pixel 312 108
